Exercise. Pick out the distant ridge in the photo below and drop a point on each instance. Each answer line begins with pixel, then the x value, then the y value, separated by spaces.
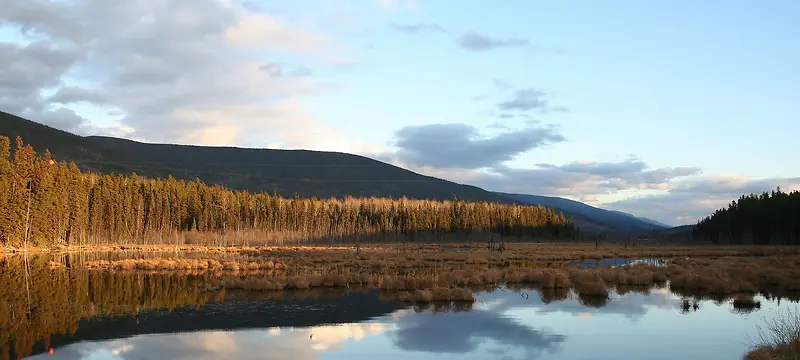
pixel 304 173
pixel 289 172
pixel 615 220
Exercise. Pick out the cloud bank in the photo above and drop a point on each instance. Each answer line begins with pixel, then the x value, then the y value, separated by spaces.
pixel 200 72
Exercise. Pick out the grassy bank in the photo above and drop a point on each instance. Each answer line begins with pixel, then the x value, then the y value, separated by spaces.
pixel 425 272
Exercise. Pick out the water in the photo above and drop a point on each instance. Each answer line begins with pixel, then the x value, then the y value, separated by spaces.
pixel 502 324
pixel 614 262
pixel 100 315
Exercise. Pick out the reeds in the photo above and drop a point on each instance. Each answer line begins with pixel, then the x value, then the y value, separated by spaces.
pixel 778 339
pixel 408 268
pixel 588 283
pixel 170 264
pixel 546 278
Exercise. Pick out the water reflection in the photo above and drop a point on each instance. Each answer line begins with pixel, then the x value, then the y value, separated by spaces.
pixel 631 305
pixel 501 325
pixel 100 315
pixel 614 262
pixel 271 343
pixel 466 332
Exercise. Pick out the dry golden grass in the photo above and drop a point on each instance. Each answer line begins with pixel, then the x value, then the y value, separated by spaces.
pixel 438 294
pixel 547 278
pixel 779 339
pixel 182 264
pixel 476 251
pixel 588 283
pixel 780 352
pixel 711 271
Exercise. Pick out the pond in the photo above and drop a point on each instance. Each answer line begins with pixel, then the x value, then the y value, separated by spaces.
pixel 502 325
pixel 49 314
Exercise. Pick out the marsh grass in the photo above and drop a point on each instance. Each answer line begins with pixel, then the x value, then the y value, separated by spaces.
pixel 704 272
pixel 428 276
pixel 588 283
pixel 778 338
pixel 514 252
pixel 182 264
pixel 437 294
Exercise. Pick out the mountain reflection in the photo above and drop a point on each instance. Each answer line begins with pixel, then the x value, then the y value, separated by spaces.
pixel 43 308
pixel 631 305
pixel 244 328
pixel 104 315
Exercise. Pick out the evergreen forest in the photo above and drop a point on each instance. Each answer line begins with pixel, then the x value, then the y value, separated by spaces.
pixel 772 218
pixel 48 203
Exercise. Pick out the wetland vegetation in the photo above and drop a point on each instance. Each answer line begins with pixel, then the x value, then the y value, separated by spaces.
pixel 114 246
pixel 51 294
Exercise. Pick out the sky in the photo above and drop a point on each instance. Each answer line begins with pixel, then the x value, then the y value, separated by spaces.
pixel 667 110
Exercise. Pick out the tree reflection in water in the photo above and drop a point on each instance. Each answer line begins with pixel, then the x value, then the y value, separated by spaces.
pixel 43 301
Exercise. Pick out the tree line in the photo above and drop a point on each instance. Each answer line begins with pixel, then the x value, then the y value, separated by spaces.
pixel 770 218
pixel 44 202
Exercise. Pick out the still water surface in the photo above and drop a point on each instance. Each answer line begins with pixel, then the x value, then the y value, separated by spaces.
pixel 502 324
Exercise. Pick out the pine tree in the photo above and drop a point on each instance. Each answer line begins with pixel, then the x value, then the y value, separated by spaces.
pixel 6 179
pixel 48 202
pixel 769 218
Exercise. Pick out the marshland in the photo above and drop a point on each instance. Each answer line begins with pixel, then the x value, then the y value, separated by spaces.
pixel 108 264
pixel 59 299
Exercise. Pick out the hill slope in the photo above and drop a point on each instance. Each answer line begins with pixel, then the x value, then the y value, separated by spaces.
pixel 289 172
pixel 654 222
pixel 63 145
pixel 615 220
pixel 302 172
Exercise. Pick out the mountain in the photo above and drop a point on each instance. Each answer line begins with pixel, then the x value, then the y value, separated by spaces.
pixel 643 219
pixel 289 172
pixel 654 222
pixel 617 221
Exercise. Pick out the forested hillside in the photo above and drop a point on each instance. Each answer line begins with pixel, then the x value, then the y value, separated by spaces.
pixel 44 202
pixel 288 172
pixel 769 218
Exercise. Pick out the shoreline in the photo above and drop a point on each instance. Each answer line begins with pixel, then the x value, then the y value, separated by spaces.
pixel 431 271
pixel 365 245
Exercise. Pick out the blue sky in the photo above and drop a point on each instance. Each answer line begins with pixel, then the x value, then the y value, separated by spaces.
pixel 673 83
pixel 663 109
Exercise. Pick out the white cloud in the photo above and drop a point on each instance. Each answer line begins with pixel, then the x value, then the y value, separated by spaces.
pixel 690 200
pixel 295 343
pixel 589 198
pixel 675 196
pixel 200 72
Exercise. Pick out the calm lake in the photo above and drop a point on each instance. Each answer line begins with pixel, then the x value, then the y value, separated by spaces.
pixel 93 315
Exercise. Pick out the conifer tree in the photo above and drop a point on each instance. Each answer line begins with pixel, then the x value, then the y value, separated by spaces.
pixel 5 190
pixel 49 203
pixel 766 218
